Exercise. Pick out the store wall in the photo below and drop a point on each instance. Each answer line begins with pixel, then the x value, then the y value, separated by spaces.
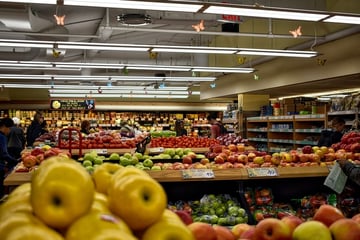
pixel 343 58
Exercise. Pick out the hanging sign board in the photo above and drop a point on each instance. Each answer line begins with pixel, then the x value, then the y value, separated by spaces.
pixel 72 104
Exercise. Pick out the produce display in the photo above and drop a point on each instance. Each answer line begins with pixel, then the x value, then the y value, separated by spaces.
pixel 164 133
pixel 63 202
pixel 222 209
pixel 33 158
pixel 182 142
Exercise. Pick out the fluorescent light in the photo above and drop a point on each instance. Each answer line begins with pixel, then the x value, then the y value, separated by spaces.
pixel 71 88
pixel 158 67
pixel 31 1
pixel 144 5
pixel 278 53
pixel 180 49
pixel 124 91
pixel 100 95
pixel 266 13
pixel 158 48
pixel 343 19
pixel 223 69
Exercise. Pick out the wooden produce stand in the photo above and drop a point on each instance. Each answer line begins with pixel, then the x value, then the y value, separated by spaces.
pixel 18 178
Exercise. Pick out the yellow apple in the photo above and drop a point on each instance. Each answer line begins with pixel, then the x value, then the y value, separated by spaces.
pixel 125 173
pixel 19 190
pixel 102 175
pixel 18 203
pixel 61 192
pixel 16 219
pixel 311 230
pixel 33 231
pixel 100 203
pixel 137 199
pixel 169 226
pixel 96 225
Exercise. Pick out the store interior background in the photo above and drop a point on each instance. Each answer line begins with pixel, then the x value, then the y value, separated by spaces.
pixel 336 68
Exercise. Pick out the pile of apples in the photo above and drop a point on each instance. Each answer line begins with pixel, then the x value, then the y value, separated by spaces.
pixel 328 223
pixel 65 202
pixel 182 142
pixel 350 142
pixel 34 157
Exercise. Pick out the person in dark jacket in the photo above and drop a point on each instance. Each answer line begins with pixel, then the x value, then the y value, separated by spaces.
pixel 35 130
pixel 85 127
pixel 351 170
pixel 328 138
pixel 179 128
pixel 7 162
pixel 16 139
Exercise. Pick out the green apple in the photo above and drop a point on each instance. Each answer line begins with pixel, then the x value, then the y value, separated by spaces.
pixel 125 161
pixel 312 230
pixel 89 168
pixel 134 160
pixel 222 221
pixel 220 211
pixel 148 163
pixel 179 151
pixel 87 163
pixel 233 211
pixel 138 155
pixel 214 219
pixel 242 212
pixel 114 157
pixel 127 155
pixel 156 168
pixel 98 161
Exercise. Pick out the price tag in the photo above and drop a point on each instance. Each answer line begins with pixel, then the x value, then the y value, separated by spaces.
pixel 197 173
pixel 262 172
pixel 157 150
pixel 100 151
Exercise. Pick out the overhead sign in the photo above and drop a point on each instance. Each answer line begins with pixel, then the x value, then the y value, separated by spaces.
pixel 72 104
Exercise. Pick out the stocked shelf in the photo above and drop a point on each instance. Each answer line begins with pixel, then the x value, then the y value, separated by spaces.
pixel 276 131
pixel 18 178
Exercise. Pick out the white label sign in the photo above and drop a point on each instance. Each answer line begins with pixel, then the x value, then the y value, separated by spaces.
pixel 197 173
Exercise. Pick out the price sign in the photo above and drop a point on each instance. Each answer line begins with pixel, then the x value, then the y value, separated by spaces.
pixel 197 173
pixel 262 172
pixel 72 104
pixel 157 150
pixel 101 151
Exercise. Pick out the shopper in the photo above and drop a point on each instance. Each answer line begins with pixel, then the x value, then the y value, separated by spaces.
pixel 328 138
pixel 7 162
pixel 36 129
pixel 179 128
pixel 85 127
pixel 216 126
pixel 351 170
pixel 16 139
pixel 126 130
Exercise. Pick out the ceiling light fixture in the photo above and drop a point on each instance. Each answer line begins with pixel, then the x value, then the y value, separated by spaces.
pixel 159 48
pixel 106 78
pixel 222 69
pixel 212 8
pixel 96 95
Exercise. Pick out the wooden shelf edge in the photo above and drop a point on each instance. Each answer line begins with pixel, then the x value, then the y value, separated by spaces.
pixel 18 178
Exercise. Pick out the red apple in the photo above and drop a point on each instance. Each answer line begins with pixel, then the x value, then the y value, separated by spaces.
pixel 184 216
pixel 328 214
pixel 272 229
pixel 202 231
pixel 248 234
pixel 239 229
pixel 223 233
pixel 251 156
pixel 345 229
pixel 204 161
pixel 242 158
pixel 292 221
pixel 232 147
pixel 219 159
pixel 187 160
pixel 232 158
pixel 356 218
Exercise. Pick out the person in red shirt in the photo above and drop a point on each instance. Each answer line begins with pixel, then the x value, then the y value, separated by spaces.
pixel 215 126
